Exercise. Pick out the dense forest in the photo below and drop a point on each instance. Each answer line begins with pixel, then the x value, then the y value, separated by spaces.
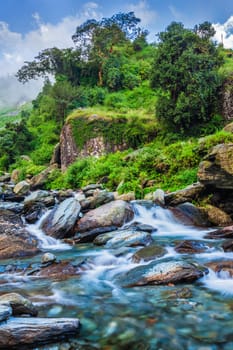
pixel 169 92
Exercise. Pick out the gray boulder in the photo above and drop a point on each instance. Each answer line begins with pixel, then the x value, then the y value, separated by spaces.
pixel 19 304
pixel 61 220
pixel 22 187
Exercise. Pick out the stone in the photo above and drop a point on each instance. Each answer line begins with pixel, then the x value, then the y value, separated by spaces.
pixel 61 220
pixel 126 238
pixel 57 270
pixel 19 304
pixel 91 235
pixel 190 247
pixel 48 258
pixel 56 156
pixel 115 213
pixel 189 214
pixel 159 197
pixel 156 273
pixel 39 180
pixel 228 245
pixel 226 232
pixel 5 312
pixel 149 253
pixel 216 216
pixel 187 194
pixel 130 196
pixel 36 196
pixel 217 168
pixel 12 206
pixel 22 187
pixel 15 175
pixel 92 187
pixel 101 197
pixel 5 177
pixel 26 332
pixel 229 127
pixel 221 267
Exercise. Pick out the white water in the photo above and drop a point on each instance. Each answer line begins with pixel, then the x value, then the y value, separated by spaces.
pixel 46 242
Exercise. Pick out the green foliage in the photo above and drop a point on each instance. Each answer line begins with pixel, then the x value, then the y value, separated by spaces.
pixel 27 168
pixel 185 69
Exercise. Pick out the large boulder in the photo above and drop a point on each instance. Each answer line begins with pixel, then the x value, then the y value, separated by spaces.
pixel 216 216
pixel 217 168
pixel 165 272
pixel 115 213
pixel 22 187
pixel 61 220
pixel 38 181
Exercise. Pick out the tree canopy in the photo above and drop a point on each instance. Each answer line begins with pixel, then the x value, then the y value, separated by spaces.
pixel 185 71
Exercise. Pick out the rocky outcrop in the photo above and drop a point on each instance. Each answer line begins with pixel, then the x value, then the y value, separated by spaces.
pixel 228 98
pixel 217 168
pixel 187 194
pixel 68 148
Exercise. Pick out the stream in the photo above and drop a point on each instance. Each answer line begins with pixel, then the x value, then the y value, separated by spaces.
pixel 195 316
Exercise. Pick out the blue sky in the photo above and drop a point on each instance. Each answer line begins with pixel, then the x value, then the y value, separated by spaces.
pixel 29 26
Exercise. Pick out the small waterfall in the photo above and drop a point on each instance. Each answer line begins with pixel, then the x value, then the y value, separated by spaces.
pixel 165 223
pixel 45 241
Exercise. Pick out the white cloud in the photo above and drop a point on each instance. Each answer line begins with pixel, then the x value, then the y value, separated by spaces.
pixel 143 11
pixel 224 33
pixel 175 13
pixel 15 48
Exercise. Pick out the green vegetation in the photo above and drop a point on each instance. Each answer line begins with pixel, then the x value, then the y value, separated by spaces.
pixel 155 98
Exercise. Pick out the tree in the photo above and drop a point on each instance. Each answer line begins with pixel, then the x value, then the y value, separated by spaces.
pixel 185 72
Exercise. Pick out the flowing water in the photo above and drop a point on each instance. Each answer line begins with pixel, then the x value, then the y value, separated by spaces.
pixel 140 318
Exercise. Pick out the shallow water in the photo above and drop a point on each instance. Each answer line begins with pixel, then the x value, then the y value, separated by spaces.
pixel 148 317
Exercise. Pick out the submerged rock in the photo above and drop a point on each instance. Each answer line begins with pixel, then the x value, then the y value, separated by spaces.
pixel 157 273
pixel 19 304
pixel 149 253
pixel 23 332
pixel 61 220
pixel 115 213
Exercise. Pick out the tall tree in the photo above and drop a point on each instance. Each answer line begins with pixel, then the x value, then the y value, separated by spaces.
pixel 185 71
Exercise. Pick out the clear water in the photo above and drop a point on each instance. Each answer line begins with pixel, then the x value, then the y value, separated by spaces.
pixel 148 317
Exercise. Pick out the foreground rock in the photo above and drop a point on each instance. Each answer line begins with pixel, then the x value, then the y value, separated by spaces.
pixel 190 247
pixel 61 220
pixel 113 214
pixel 216 216
pixel 19 304
pixel 23 332
pixel 222 268
pixel 15 241
pixel 187 194
pixel 149 253
pixel 226 232
pixel 155 273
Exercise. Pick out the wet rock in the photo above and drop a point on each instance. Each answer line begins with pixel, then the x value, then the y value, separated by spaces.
pixel 181 293
pixel 22 187
pixel 61 220
pixel 228 245
pixel 190 247
pixel 12 206
pixel 124 238
pixel 15 241
pixel 115 213
pixel 217 168
pixel 25 332
pixel 33 212
pixel 92 187
pixel 48 258
pixel 38 196
pixel 19 304
pixel 149 253
pixel 221 267
pixel 187 194
pixel 5 177
pixel 166 272
pixel 89 236
pixel 216 216
pixel 137 226
pixel 190 215
pixel 58 271
pixel 226 232
pixel 5 312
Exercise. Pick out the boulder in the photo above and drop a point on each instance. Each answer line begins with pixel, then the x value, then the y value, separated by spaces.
pixel 115 213
pixel 15 241
pixel 227 246
pixel 216 216
pixel 15 175
pixel 130 196
pixel 190 247
pixel 167 272
pixel 12 206
pixel 89 236
pixel 26 332
pixel 159 197
pixel 19 304
pixel 228 127
pixel 5 177
pixel 40 179
pixel 187 194
pixel 217 168
pixel 48 258
pixel 62 218
pixel 22 187
pixel 38 196
pixel 101 197
pixel 189 214
pixel 149 253
pixel 221 267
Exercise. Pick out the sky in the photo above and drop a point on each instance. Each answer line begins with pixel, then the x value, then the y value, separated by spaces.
pixel 29 26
